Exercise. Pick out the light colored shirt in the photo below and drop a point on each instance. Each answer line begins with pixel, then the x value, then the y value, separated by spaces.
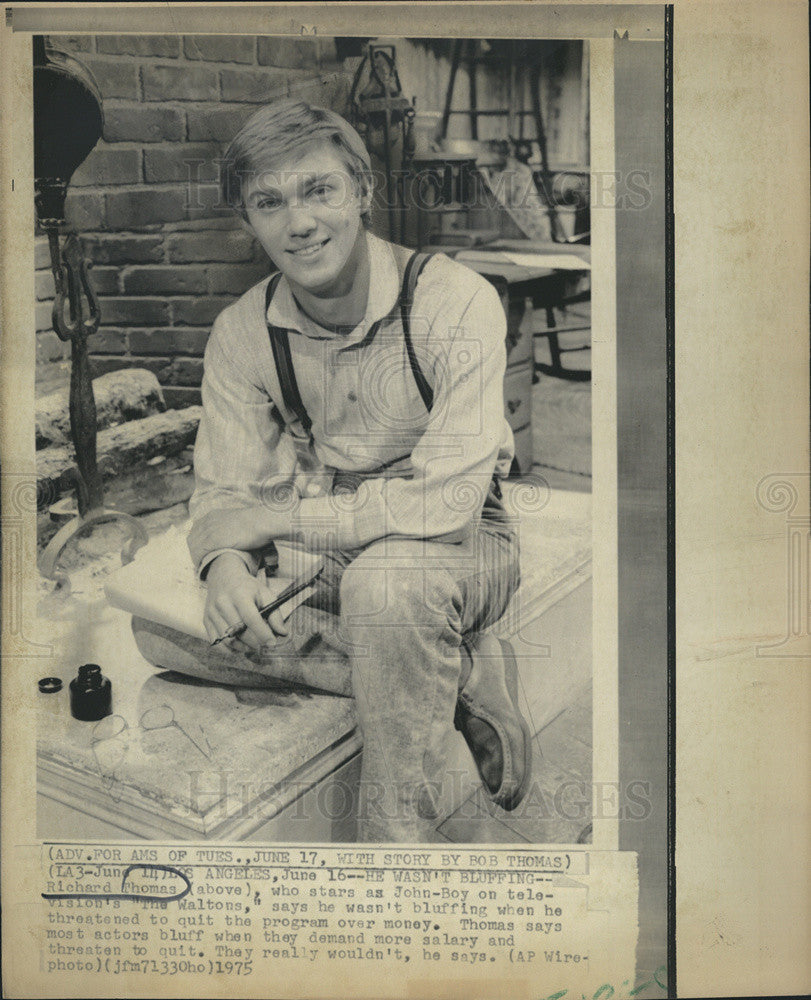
pixel 420 474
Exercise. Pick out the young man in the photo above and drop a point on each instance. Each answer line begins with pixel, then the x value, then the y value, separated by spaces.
pixel 390 427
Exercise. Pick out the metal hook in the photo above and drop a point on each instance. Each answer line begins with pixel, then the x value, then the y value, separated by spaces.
pixel 72 286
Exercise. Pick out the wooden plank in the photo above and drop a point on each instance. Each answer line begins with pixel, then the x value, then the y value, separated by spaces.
pixel 518 396
pixel 175 795
pixel 523 449
pixel 520 333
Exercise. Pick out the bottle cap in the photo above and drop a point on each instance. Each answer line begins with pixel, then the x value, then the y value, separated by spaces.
pixel 50 685
pixel 90 673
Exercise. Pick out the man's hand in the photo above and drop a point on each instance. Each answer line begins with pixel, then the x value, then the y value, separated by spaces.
pixel 234 597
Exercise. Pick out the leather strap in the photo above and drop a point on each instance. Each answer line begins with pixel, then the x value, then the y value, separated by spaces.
pixel 291 397
pixel 413 270
pixel 280 344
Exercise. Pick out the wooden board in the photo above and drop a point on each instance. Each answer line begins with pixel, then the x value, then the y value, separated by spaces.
pixel 118 448
pixel 518 395
pixel 123 395
pixel 232 755
pixel 317 802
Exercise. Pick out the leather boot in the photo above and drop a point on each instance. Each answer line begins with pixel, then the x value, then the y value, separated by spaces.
pixel 488 716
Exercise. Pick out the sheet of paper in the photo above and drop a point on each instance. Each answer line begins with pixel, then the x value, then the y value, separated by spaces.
pixel 558 261
pixel 160 585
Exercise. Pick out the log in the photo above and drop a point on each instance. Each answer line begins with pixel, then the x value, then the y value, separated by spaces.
pixel 145 489
pixel 127 394
pixel 118 449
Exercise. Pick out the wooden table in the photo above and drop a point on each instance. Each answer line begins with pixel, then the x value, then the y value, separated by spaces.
pixel 539 283
pixel 520 288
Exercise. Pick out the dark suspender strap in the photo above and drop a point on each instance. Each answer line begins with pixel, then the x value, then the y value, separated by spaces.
pixel 280 343
pixel 413 270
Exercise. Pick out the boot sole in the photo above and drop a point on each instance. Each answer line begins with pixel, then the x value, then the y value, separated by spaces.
pixel 511 673
pixel 462 713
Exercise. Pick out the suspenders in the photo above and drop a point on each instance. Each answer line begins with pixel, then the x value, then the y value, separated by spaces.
pixel 413 270
pixel 280 344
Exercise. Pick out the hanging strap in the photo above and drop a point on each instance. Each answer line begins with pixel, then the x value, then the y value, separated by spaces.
pixel 493 507
pixel 280 343
pixel 411 276
pixel 291 396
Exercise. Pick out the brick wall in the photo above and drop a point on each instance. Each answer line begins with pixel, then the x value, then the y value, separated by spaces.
pixel 165 257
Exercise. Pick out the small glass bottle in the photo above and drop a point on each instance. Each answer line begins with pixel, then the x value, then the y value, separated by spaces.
pixel 91 696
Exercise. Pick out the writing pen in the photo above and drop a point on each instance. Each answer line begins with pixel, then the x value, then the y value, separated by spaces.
pixel 267 610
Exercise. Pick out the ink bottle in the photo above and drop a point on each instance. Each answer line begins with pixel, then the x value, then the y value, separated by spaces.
pixel 90 694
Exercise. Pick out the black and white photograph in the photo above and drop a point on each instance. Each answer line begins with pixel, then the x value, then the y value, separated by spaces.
pixel 313 363
pixel 404 537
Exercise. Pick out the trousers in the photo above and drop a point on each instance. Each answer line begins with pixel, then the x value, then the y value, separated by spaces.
pixel 405 607
pixel 401 611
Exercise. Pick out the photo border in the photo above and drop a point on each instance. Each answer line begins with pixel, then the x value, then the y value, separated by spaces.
pixel 670 805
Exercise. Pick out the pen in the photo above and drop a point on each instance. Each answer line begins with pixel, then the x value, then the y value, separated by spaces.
pixel 295 588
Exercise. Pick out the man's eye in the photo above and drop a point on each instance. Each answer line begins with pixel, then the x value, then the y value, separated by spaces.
pixel 322 190
pixel 268 203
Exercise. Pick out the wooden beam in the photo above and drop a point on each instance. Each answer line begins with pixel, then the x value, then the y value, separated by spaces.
pixel 127 394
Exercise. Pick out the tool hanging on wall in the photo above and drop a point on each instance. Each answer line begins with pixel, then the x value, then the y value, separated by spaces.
pixel 68 123
pixel 384 117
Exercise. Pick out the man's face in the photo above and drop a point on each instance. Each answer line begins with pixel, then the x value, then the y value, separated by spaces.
pixel 307 215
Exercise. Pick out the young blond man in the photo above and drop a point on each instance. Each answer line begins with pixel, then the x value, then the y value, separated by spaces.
pixel 379 397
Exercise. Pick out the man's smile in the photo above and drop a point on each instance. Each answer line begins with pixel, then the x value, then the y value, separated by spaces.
pixel 310 249
pixel 308 215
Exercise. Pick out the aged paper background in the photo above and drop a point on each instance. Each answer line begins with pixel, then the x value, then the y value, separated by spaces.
pixel 741 203
pixel 742 770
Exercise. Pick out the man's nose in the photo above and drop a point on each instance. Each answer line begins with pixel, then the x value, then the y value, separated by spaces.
pixel 300 221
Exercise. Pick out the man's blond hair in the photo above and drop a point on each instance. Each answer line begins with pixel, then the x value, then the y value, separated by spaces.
pixel 280 132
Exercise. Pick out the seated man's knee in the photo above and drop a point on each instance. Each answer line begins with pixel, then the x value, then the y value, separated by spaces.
pixel 398 592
